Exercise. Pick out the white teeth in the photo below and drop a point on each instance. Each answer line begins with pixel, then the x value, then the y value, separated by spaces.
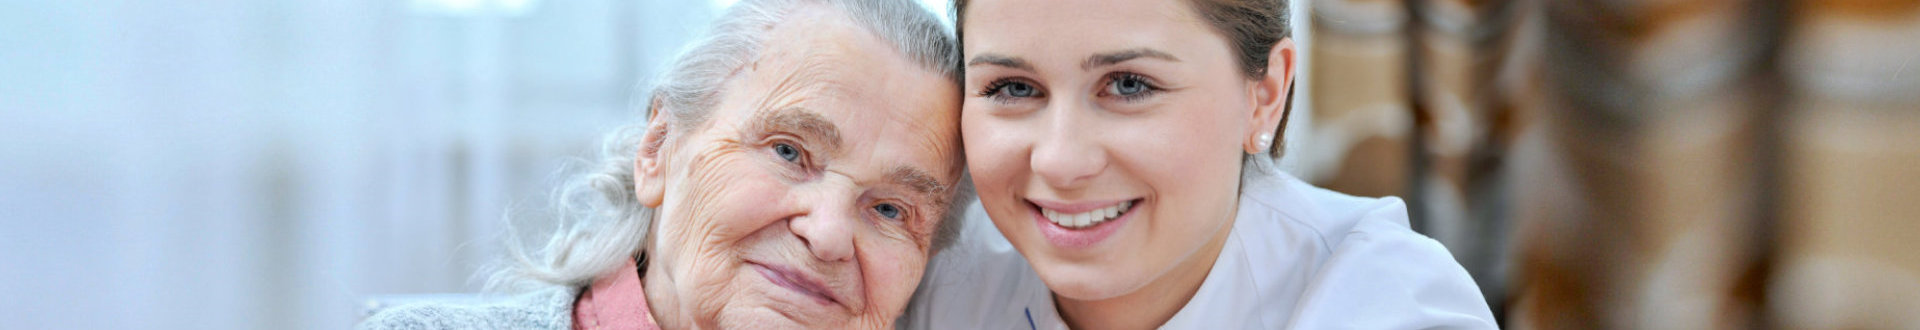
pixel 1089 218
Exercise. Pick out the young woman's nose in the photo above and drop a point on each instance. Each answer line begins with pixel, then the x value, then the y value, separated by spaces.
pixel 1068 155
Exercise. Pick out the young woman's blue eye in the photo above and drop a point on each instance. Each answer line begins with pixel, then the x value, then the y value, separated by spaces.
pixel 787 152
pixel 1008 89
pixel 888 210
pixel 1020 90
pixel 1129 87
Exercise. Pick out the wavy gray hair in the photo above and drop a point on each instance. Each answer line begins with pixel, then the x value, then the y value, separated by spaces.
pixel 601 224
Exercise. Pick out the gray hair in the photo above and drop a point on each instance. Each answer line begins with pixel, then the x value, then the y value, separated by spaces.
pixel 601 223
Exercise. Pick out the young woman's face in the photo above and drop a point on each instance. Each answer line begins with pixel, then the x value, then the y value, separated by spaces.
pixel 1105 136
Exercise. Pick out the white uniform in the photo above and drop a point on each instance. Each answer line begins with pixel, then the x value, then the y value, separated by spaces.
pixel 1298 257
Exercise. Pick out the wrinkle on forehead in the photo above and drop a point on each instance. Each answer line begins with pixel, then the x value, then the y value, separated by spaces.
pixel 917 180
pixel 803 58
pixel 821 62
pixel 791 82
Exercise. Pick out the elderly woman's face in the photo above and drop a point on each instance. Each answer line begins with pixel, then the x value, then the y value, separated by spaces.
pixel 810 195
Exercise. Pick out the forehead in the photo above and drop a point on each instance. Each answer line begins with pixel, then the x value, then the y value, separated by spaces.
pixel 1072 29
pixel 886 107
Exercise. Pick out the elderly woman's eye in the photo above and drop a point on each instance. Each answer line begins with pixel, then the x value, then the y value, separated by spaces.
pixel 888 210
pixel 787 152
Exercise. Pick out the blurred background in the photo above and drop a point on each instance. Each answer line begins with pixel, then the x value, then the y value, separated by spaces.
pixel 272 164
pixel 1640 164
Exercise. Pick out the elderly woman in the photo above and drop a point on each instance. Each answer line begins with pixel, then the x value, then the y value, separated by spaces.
pixel 795 169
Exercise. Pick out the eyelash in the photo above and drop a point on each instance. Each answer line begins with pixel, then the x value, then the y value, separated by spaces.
pixel 1150 88
pixel 995 90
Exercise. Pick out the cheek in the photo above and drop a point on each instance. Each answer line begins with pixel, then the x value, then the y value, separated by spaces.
pixel 892 270
pixel 995 155
pixel 997 152
pixel 1196 135
pixel 703 222
pixel 1208 121
pixel 724 186
pixel 1191 157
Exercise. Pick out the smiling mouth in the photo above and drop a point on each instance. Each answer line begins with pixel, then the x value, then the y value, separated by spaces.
pixel 1085 218
pixel 798 282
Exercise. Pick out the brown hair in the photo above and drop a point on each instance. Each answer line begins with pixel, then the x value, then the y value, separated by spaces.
pixel 1251 26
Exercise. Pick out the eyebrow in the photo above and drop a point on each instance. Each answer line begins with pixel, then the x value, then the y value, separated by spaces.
pixel 1111 58
pixel 806 123
pixel 919 181
pixel 1097 60
pixel 1000 60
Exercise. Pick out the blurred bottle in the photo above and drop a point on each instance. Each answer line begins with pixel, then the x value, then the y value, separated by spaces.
pixel 1652 123
pixel 1362 116
pixel 1461 48
pixel 1849 257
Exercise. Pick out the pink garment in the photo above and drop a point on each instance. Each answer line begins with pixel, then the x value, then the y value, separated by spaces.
pixel 614 301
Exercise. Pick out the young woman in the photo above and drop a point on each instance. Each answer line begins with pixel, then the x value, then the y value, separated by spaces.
pixel 1124 148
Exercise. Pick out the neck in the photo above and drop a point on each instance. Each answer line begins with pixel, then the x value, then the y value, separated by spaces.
pixel 666 309
pixel 1152 305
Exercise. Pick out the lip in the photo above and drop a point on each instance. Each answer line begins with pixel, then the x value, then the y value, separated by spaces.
pixel 1078 238
pixel 799 282
pixel 1075 207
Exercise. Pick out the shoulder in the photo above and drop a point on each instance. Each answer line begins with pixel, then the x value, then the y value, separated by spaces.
pixel 1376 271
pixel 547 308
pixel 1388 277
pixel 1363 233
pixel 1327 217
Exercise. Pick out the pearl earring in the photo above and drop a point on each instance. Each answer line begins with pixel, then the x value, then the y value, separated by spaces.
pixel 1265 141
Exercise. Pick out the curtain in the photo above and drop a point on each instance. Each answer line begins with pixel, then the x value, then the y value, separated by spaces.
pixel 228 164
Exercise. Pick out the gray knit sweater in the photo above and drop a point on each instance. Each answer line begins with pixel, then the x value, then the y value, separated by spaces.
pixel 548 308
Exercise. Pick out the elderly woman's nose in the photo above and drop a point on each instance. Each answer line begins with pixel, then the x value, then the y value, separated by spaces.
pixel 829 228
pixel 1066 155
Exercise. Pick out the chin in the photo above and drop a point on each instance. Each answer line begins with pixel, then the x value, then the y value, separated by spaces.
pixel 1089 282
pixel 761 317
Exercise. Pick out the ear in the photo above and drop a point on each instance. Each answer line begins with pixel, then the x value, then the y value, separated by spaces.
pixel 1270 97
pixel 649 185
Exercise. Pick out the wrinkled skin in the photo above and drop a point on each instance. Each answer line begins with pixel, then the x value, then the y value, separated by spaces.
pixel 828 159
